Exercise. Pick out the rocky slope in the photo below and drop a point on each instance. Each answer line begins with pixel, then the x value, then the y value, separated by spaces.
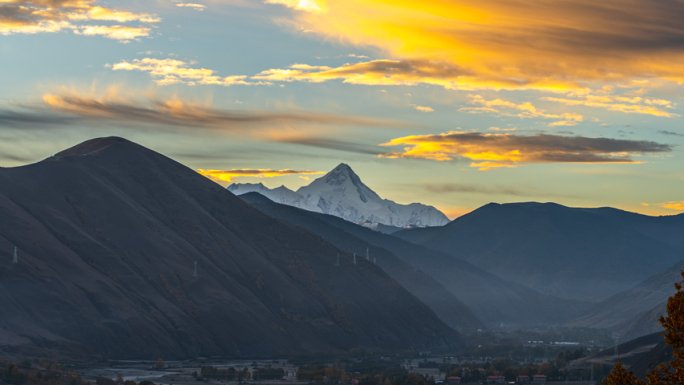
pixel 108 232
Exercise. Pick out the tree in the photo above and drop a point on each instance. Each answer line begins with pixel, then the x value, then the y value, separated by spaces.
pixel 620 376
pixel 159 364
pixel 674 336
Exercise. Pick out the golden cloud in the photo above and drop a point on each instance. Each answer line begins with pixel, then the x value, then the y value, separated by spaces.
pixel 424 108
pixel 522 110
pixel 228 175
pixel 509 150
pixel 504 44
pixel 407 72
pixel 674 205
pixel 171 71
pixel 635 105
pixel 198 7
pixel 38 16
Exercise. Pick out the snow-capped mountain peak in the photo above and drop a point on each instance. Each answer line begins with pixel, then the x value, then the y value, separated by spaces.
pixel 342 193
pixel 342 180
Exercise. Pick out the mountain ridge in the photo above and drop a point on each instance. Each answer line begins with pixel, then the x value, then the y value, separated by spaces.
pixel 342 193
pixel 568 252
pixel 108 232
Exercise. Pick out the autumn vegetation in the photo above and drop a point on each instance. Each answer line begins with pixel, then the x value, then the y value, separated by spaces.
pixel 666 374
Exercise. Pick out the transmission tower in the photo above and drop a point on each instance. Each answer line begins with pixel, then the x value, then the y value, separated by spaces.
pixel 616 337
pixel 194 274
pixel 367 255
pixel 14 259
pixel 355 259
pixel 375 261
pixel 337 264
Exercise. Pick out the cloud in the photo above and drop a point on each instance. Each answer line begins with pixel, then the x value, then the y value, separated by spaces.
pixel 327 143
pixel 171 71
pixel 679 206
pixel 198 7
pixel 509 150
pixel 513 44
pixel 521 110
pixel 424 108
pixel 397 72
pixel 672 205
pixel 28 119
pixel 467 188
pixel 228 175
pixel 114 106
pixel 636 105
pixel 307 5
pixel 118 32
pixel 45 16
pixel 671 133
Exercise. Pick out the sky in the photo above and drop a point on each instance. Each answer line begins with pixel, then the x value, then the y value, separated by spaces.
pixel 454 104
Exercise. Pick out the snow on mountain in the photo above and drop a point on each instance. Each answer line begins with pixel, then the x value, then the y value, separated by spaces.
pixel 280 194
pixel 342 194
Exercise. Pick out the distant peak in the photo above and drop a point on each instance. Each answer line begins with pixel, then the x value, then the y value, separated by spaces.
pixel 342 167
pixel 340 174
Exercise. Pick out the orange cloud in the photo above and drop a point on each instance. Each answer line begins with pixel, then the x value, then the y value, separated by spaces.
pixel 674 205
pixel 171 71
pixel 228 175
pixel 509 150
pixel 42 16
pixel 508 44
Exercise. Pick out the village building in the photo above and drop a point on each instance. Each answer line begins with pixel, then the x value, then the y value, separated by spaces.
pixel 496 379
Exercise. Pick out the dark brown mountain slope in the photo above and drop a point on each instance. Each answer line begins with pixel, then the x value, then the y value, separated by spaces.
pixel 108 232
pixel 447 307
